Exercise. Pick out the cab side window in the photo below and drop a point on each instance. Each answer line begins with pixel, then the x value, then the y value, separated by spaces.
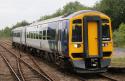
pixel 77 33
pixel 105 32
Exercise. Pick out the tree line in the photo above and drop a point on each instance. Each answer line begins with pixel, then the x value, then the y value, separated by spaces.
pixel 6 32
pixel 113 8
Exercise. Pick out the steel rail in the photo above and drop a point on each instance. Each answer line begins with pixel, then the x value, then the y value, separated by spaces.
pixel 20 71
pixel 109 78
pixel 41 74
pixel 42 71
pixel 10 67
pixel 18 66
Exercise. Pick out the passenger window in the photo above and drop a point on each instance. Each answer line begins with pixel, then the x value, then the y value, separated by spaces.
pixel 77 33
pixel 48 35
pixel 59 35
pixel 37 35
pixel 40 35
pixel 18 35
pixel 105 33
pixel 27 34
pixel 44 34
pixel 64 35
pixel 14 34
pixel 51 34
pixel 31 35
pixel 34 35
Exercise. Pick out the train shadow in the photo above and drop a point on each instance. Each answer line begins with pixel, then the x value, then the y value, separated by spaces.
pixel 116 70
pixel 84 76
pixel 81 76
pixel 65 72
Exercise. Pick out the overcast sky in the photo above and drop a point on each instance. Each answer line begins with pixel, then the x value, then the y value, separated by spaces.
pixel 12 11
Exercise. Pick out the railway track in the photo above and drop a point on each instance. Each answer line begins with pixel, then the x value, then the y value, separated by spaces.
pixel 116 69
pixel 15 75
pixel 109 78
pixel 20 70
pixel 41 73
pixel 13 67
pixel 106 77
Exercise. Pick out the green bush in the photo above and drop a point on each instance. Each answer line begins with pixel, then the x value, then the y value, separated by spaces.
pixel 5 33
pixel 119 36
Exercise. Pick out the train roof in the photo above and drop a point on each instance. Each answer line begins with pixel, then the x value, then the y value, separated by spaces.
pixel 63 17
pixel 19 28
pixel 48 20
pixel 78 12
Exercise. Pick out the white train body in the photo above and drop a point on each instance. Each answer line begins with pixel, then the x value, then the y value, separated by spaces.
pixel 20 34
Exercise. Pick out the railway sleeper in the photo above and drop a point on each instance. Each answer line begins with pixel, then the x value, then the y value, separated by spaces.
pixel 55 58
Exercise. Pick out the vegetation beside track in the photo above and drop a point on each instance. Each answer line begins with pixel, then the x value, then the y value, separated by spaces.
pixel 119 36
pixel 118 57
pixel 118 62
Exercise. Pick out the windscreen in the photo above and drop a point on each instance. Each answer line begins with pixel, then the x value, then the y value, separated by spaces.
pixel 77 33
pixel 105 33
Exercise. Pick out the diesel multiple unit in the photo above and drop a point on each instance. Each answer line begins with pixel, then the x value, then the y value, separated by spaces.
pixel 81 41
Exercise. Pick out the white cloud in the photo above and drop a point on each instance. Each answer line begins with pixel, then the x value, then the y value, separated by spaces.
pixel 12 11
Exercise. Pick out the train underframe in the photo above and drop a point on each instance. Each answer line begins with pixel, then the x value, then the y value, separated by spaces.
pixel 91 65
pixel 87 65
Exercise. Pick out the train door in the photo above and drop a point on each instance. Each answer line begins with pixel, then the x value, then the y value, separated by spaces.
pixel 92 36
pixel 23 36
pixel 12 35
pixel 19 36
pixel 59 36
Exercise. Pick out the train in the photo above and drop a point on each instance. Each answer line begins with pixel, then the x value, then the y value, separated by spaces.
pixel 80 41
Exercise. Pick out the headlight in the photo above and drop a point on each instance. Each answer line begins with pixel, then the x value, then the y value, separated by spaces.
pixel 75 45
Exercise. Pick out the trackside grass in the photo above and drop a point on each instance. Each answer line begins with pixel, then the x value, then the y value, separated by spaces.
pixel 118 62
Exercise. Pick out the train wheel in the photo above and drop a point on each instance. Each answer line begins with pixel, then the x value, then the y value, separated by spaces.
pixel 59 61
pixel 13 45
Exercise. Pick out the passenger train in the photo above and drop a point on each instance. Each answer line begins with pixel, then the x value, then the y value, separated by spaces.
pixel 81 41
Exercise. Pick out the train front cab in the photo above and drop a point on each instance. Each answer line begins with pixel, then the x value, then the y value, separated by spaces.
pixel 90 42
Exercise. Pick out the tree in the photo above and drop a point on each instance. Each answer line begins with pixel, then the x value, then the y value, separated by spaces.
pixel 19 24
pixel 115 9
pixel 119 35
pixel 5 32
pixel 68 8
pixel 73 7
